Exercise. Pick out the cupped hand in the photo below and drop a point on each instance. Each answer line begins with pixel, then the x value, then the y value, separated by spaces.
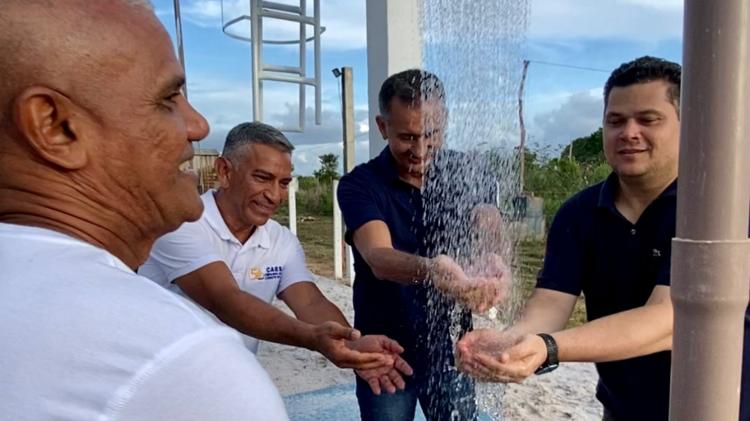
pixel 485 286
pixel 497 356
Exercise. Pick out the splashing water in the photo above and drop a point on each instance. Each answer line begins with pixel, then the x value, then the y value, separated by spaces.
pixel 474 46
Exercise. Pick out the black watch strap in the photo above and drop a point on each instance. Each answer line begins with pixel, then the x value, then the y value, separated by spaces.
pixel 552 362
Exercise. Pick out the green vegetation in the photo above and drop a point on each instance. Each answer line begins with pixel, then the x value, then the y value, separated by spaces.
pixel 329 168
pixel 587 149
pixel 557 179
pixel 313 199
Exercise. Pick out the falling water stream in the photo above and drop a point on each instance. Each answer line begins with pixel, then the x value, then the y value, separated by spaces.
pixel 474 47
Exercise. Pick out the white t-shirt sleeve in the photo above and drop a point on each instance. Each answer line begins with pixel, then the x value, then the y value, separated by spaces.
pixel 295 269
pixel 212 377
pixel 183 251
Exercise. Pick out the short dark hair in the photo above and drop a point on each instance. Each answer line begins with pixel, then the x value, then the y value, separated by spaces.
pixel 255 132
pixel 647 69
pixel 412 86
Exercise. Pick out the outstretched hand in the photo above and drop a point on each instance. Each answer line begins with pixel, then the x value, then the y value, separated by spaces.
pixel 333 341
pixel 484 286
pixel 497 356
pixel 387 377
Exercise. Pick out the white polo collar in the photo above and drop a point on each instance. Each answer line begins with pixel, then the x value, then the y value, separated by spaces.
pixel 259 238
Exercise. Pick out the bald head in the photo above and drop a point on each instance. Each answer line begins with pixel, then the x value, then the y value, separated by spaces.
pixel 67 45
pixel 93 123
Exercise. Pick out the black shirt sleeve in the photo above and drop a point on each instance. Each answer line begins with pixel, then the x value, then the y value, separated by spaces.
pixel 564 258
pixel 358 202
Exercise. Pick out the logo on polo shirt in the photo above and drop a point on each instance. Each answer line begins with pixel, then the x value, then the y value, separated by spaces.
pixel 266 274
pixel 255 273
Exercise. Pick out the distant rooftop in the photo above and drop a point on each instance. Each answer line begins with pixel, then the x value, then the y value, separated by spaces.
pixel 205 152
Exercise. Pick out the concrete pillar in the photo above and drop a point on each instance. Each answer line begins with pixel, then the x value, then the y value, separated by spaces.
pixel 338 238
pixel 292 192
pixel 394 43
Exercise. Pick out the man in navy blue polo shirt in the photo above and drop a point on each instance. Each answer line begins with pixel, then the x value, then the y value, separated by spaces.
pixel 612 242
pixel 398 291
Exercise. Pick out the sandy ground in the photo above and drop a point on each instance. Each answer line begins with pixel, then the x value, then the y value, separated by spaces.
pixel 565 394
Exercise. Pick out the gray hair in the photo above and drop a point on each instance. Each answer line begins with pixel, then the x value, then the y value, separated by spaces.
pixel 412 86
pixel 255 133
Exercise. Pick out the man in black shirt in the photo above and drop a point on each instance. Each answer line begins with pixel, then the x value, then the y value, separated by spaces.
pixel 610 242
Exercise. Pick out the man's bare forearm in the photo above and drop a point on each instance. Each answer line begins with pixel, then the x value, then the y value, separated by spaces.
pixel 546 311
pixel 259 319
pixel 322 310
pixel 633 333
pixel 394 265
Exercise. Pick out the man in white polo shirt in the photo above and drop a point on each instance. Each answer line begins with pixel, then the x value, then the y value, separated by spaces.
pixel 234 260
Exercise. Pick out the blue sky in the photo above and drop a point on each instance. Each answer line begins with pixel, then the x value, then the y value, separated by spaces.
pixel 561 103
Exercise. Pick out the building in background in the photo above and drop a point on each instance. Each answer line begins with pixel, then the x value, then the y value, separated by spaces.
pixel 203 163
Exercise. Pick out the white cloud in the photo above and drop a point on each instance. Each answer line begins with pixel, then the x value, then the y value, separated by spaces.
pixel 363 126
pixel 328 132
pixel 226 103
pixel 658 4
pixel 579 115
pixel 637 20
pixel 344 21
pixel 202 10
pixel 305 157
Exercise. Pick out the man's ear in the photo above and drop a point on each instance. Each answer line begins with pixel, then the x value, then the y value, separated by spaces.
pixel 47 120
pixel 380 121
pixel 223 169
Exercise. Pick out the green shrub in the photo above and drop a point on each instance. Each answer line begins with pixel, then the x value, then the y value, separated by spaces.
pixel 314 197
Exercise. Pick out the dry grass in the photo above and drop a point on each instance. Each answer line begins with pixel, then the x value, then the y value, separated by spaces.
pixel 316 235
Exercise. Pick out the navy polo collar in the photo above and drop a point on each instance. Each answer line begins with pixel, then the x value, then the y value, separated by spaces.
pixel 386 166
pixel 610 186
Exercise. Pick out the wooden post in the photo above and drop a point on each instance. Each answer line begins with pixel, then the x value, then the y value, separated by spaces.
pixel 522 145
pixel 347 115
pixel 178 35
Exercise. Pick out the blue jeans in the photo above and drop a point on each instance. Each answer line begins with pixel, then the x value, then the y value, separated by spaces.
pixel 449 396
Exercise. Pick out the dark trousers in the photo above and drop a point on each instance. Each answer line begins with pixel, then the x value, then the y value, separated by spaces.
pixel 607 416
pixel 447 397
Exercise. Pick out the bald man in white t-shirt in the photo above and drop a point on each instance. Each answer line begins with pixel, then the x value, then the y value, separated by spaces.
pixel 93 129
pixel 234 260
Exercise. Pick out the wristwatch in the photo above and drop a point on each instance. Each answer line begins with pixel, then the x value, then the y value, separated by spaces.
pixel 551 362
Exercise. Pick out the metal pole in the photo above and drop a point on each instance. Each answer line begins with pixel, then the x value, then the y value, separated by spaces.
pixel 256 44
pixel 181 55
pixel 318 86
pixel 522 146
pixel 178 35
pixel 302 61
pixel 711 254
